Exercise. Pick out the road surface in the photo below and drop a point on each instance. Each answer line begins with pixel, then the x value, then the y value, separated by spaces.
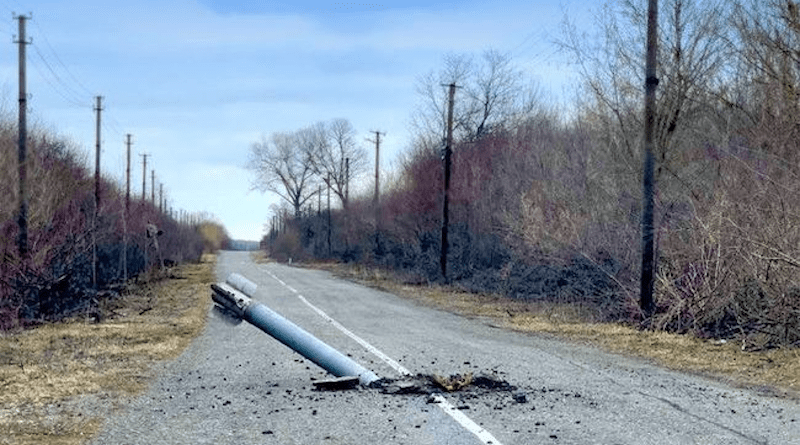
pixel 237 385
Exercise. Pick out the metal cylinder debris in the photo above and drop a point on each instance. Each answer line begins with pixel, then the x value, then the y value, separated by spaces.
pixel 242 284
pixel 285 331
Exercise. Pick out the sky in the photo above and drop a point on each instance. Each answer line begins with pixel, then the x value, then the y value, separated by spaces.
pixel 196 82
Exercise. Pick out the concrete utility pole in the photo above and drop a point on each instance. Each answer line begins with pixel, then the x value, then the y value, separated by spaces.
pixel 161 197
pixel 234 296
pixel 346 181
pixel 128 176
pixel 98 108
pixel 376 198
pixel 127 212
pixel 153 187
pixel 144 175
pixel 648 177
pixel 329 213
pixel 448 151
pixel 22 219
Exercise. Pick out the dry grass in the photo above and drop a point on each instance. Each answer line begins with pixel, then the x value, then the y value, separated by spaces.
pixel 259 257
pixel 44 370
pixel 774 371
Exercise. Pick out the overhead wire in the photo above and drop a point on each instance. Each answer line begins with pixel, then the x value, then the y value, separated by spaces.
pixel 63 89
pixel 74 78
pixel 55 72
pixel 60 78
pixel 9 9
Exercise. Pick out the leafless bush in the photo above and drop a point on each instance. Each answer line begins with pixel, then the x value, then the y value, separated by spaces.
pixel 732 269
pixel 58 278
pixel 543 207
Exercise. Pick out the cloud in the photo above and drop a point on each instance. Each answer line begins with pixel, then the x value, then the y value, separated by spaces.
pixel 196 81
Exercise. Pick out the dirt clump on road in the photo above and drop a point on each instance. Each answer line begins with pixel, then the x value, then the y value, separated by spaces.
pixel 57 381
pixel 434 383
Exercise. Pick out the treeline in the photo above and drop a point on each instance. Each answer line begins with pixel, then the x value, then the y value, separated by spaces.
pixel 57 278
pixel 546 204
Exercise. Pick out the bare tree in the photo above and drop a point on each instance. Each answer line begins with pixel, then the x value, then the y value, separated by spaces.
pixel 430 120
pixel 694 55
pixel 496 96
pixel 282 164
pixel 336 155
pixel 493 94
pixel 769 35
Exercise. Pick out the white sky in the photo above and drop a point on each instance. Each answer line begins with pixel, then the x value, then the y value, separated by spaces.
pixel 197 81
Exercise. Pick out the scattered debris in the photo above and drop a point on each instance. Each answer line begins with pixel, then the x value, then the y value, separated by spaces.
pixel 336 384
pixel 431 384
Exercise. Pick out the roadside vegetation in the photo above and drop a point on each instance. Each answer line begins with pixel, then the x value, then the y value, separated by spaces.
pixel 772 372
pixel 60 381
pixel 545 200
pixel 94 303
pixel 56 278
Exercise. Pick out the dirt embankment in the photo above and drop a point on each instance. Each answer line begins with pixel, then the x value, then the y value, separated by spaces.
pixel 57 381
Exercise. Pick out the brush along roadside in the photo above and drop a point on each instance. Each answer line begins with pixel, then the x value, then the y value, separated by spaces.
pixel 772 371
pixel 56 381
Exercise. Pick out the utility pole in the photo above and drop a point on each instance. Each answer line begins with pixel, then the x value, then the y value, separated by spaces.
pixel 346 181
pixel 22 220
pixel 127 210
pixel 648 177
pixel 144 175
pixel 161 197
pixel 153 187
pixel 376 198
pixel 347 203
pixel 329 213
pixel 128 176
pixel 98 109
pixel 448 152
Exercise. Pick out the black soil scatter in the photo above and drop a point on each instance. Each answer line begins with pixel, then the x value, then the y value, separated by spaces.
pixel 428 384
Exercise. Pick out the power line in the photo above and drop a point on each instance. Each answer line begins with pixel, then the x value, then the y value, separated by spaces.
pixel 55 75
pixel 68 95
pixel 60 62
pixel 12 11
pixel 114 125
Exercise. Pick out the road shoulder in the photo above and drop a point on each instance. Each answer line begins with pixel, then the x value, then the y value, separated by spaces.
pixel 773 372
pixel 60 381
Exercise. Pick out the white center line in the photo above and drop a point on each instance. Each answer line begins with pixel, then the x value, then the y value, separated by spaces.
pixel 481 433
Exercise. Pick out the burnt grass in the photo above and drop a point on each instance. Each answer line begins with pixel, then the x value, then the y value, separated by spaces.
pixel 487 265
pixel 577 281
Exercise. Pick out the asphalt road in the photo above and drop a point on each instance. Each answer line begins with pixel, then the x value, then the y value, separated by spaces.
pixel 237 385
